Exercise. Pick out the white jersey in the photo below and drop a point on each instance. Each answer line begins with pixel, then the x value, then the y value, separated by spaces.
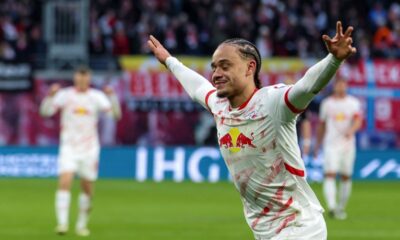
pixel 79 117
pixel 259 145
pixel 338 115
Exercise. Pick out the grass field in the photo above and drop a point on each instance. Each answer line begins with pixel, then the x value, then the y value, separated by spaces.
pixel 124 209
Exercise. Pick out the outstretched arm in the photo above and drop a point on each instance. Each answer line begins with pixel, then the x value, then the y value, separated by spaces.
pixel 195 85
pixel 318 76
pixel 47 107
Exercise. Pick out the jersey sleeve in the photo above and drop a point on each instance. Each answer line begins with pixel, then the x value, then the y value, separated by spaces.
pixel 103 103
pixel 50 105
pixel 277 99
pixel 357 108
pixel 198 87
pixel 315 79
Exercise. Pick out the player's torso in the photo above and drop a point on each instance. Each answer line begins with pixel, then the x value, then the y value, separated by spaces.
pixel 79 117
pixel 251 142
pixel 340 116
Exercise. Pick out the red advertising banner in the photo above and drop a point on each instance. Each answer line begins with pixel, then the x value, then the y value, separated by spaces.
pixel 387 114
pixel 387 73
pixel 355 74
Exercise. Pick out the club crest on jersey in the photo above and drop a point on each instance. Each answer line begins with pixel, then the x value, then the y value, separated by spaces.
pixel 81 111
pixel 340 117
pixel 235 140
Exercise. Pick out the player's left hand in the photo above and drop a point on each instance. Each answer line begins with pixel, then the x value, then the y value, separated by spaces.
pixel 340 45
pixel 108 91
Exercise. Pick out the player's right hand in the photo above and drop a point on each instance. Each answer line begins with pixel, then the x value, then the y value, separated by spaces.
pixel 158 49
pixel 53 89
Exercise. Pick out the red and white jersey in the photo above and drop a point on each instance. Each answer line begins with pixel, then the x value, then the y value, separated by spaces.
pixel 79 117
pixel 338 115
pixel 259 145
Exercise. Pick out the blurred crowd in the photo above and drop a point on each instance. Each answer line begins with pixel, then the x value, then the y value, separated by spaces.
pixel 195 27
pixel 279 28
pixel 21 35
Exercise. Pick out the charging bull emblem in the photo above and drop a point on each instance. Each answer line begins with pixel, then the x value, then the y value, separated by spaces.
pixel 81 111
pixel 234 140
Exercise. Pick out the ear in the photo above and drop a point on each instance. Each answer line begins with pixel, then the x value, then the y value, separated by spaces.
pixel 251 67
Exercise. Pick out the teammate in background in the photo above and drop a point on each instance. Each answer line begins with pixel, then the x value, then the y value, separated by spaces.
pixel 79 143
pixel 256 132
pixel 340 118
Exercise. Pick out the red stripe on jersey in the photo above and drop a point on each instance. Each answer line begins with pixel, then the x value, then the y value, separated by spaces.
pixel 290 105
pixel 248 100
pixel 263 213
pixel 286 206
pixel 208 96
pixel 285 222
pixel 294 171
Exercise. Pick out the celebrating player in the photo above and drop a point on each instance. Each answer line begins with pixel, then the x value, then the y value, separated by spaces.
pixel 79 144
pixel 256 132
pixel 340 118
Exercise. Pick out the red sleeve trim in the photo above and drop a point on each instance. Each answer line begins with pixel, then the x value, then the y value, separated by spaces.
pixel 290 105
pixel 294 171
pixel 207 97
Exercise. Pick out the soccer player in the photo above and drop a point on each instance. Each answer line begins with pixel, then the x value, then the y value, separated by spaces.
pixel 340 118
pixel 256 132
pixel 80 106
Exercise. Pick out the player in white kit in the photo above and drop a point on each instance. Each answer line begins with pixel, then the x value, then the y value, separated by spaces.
pixel 79 149
pixel 340 118
pixel 256 132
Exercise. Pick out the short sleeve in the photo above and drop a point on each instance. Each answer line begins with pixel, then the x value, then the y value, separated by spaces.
pixel 357 108
pixel 103 102
pixel 60 98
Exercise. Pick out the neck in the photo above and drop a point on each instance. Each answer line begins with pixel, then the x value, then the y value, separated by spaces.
pixel 340 95
pixel 80 89
pixel 238 100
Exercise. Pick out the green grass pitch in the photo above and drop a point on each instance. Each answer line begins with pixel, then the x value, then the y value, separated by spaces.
pixel 125 209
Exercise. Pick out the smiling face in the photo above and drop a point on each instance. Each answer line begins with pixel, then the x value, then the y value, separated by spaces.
pixel 232 74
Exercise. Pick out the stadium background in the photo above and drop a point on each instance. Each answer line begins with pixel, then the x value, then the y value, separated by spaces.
pixel 42 41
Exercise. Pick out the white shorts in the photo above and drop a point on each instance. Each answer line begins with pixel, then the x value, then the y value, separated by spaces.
pixel 86 164
pixel 339 159
pixel 310 225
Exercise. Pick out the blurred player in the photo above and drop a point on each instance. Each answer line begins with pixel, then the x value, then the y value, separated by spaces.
pixel 256 132
pixel 340 118
pixel 79 144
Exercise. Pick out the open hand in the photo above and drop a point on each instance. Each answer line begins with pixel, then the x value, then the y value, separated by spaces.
pixel 158 49
pixel 340 45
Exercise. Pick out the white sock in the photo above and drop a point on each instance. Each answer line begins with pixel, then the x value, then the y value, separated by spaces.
pixel 329 187
pixel 84 209
pixel 344 193
pixel 62 206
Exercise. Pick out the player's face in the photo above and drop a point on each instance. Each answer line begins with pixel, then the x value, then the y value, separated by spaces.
pixel 340 87
pixel 229 71
pixel 82 81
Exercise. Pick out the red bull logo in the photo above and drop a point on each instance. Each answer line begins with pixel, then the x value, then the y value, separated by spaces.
pixel 235 140
pixel 81 111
